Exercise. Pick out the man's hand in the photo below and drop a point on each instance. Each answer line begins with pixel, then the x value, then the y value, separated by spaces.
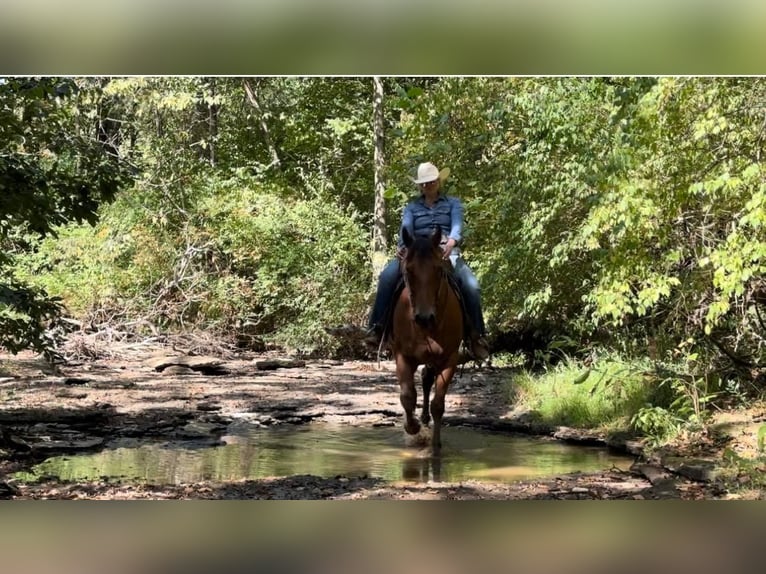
pixel 447 249
pixel 401 252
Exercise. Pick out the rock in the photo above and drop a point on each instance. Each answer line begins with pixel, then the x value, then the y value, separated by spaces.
pixel 625 442
pixel 76 381
pixel 202 364
pixel 68 445
pixel 652 473
pixel 270 365
pixel 699 470
pixel 178 370
pixel 198 430
pixel 8 490
pixel 65 394
pixel 13 443
pixel 665 488
pixel 208 407
pixel 82 416
pixel 577 436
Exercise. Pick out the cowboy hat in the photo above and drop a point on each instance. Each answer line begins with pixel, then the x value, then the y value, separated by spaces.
pixel 429 172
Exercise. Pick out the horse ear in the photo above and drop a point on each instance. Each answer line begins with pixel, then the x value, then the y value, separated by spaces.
pixel 406 237
pixel 436 236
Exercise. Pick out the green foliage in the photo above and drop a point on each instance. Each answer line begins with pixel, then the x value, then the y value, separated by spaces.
pixel 244 254
pixel 615 393
pixel 24 315
pixel 299 261
pixel 52 170
pixel 658 424
pixel 605 395
pixel 744 472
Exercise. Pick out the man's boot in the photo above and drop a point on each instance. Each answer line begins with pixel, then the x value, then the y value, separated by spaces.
pixel 479 347
pixel 373 335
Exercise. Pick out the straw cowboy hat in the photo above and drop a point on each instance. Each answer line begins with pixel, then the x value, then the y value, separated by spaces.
pixel 429 172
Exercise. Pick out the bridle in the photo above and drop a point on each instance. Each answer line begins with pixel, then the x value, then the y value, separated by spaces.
pixel 442 279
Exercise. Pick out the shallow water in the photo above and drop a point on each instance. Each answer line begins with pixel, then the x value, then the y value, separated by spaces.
pixel 467 454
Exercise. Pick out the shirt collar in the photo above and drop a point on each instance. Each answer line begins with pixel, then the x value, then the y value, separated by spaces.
pixel 422 198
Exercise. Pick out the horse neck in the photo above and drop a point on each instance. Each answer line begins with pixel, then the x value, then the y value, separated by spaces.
pixel 443 295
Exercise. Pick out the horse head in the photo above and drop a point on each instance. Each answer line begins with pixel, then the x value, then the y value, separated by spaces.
pixel 423 271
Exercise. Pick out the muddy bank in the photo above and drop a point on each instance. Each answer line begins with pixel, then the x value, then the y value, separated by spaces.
pixel 146 393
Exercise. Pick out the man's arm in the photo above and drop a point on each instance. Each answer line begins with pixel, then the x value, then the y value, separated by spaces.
pixel 456 220
pixel 408 223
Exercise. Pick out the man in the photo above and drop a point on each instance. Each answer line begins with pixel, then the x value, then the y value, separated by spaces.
pixel 430 210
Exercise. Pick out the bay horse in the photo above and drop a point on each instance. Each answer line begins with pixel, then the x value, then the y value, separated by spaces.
pixel 427 329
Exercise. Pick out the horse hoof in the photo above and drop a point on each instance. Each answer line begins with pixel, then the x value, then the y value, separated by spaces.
pixel 413 428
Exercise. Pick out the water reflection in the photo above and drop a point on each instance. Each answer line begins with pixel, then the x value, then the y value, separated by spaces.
pixel 422 469
pixel 330 451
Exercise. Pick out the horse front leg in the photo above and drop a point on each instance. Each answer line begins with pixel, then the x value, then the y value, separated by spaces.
pixel 437 405
pixel 429 374
pixel 405 374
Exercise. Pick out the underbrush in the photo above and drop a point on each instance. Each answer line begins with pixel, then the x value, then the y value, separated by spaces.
pixel 241 259
pixel 612 393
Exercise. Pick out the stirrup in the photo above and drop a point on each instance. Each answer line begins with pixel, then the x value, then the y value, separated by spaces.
pixel 373 335
pixel 479 348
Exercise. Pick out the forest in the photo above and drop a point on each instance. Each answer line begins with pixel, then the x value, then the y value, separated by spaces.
pixel 616 224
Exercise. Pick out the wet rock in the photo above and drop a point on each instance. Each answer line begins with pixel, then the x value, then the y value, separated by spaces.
pixel 625 442
pixel 196 429
pixel 51 446
pixel 577 436
pixel 83 416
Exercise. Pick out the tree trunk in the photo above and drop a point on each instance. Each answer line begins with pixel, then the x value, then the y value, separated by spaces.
pixel 379 245
pixel 212 122
pixel 252 96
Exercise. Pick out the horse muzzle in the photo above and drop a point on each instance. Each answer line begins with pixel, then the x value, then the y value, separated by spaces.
pixel 425 319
